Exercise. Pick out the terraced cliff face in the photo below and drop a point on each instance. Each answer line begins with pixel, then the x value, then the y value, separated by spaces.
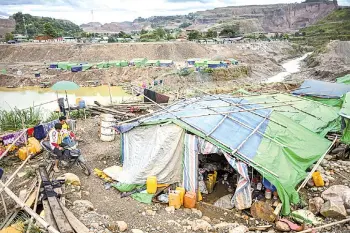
pixel 255 18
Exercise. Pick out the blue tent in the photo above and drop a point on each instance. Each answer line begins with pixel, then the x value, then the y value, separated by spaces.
pixel 322 89
pixel 77 68
pixel 53 66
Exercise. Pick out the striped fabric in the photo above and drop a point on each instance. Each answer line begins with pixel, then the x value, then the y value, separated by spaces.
pixel 242 199
pixel 206 147
pixel 190 163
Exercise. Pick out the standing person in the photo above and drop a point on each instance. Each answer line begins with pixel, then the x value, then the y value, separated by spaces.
pixel 55 136
pixel 61 105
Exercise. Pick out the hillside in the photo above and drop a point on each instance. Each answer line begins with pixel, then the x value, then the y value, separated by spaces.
pixel 255 18
pixel 39 25
pixel 335 26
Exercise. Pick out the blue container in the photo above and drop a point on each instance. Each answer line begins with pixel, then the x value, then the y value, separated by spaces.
pixel 53 66
pixel 82 104
pixel 37 75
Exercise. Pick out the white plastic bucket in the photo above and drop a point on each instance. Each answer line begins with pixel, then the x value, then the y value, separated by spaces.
pixel 107 132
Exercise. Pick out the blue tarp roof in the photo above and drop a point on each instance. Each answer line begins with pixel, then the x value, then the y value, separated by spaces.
pixel 322 89
pixel 201 114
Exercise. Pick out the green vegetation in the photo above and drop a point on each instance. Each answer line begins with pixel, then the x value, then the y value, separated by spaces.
pixel 156 35
pixel 8 36
pixel 185 25
pixel 44 26
pixel 230 31
pixel 335 26
pixel 12 119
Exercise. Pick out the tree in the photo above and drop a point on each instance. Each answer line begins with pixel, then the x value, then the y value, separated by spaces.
pixel 211 34
pixel 185 25
pixel 49 30
pixel 8 36
pixel 194 35
pixel 143 31
pixel 160 32
pixel 230 31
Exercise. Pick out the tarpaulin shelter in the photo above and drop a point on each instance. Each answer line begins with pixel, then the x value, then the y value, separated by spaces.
pixel 201 63
pixel 233 61
pixel 324 92
pixel 86 66
pixel 166 63
pixel 77 68
pixel 192 61
pixel 63 65
pixel 138 62
pixel 345 113
pixel 53 66
pixel 345 79
pixel 167 144
pixel 152 63
pixel 313 115
pixel 215 64
pixel 102 65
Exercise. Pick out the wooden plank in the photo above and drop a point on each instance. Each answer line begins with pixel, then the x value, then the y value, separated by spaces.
pixel 78 226
pixel 22 196
pixel 48 214
pixel 60 218
pixel 31 199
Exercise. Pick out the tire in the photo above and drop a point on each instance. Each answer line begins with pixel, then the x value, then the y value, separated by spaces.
pixel 84 168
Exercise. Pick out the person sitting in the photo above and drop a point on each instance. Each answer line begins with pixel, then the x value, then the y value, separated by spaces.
pixel 55 136
pixel 68 136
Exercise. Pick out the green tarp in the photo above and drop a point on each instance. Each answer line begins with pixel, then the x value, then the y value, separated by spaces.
pixel 345 113
pixel 345 79
pixel 102 65
pixel 330 102
pixel 86 67
pixel 152 63
pixel 63 65
pixel 315 116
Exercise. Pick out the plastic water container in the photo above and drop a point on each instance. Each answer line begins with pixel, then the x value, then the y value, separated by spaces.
pixel 107 131
pixel 190 200
pixel 318 180
pixel 35 143
pixel 182 192
pixel 151 184
pixel 82 104
pixel 22 153
pixel 174 199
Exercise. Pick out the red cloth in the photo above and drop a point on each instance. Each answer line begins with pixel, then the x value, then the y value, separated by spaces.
pixel 30 132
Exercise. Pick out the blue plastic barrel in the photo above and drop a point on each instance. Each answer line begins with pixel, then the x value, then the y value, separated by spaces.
pixel 82 104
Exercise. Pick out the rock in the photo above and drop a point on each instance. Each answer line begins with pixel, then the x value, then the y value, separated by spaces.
pixel 170 209
pixel 172 222
pixel 262 210
pixel 315 204
pixel 200 224
pixel 136 231
pixel 282 226
pixel 239 229
pixel 311 183
pixel 271 231
pixel 122 226
pixel 94 225
pixel 187 211
pixel 224 226
pixel 151 212
pixel 197 212
pixel 224 202
pixel 70 178
pixel 332 209
pixel 83 206
pixel 348 211
pixel 338 193
pixel 205 218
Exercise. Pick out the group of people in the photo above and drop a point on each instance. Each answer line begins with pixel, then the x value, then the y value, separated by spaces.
pixel 59 137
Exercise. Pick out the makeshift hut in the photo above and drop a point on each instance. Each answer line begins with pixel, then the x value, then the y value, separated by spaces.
pixel 345 114
pixel 86 66
pixel 166 63
pixel 170 143
pixel 77 68
pixel 63 65
pixel 324 92
pixel 192 61
pixel 152 63
pixel 138 62
pixel 215 64
pixel 201 63
pixel 102 65
pixel 233 61
pixel 53 66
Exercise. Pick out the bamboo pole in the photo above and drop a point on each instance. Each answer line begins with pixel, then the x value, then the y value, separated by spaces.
pixel 325 226
pixel 35 206
pixel 213 130
pixel 236 111
pixel 241 155
pixel 12 144
pixel 38 105
pixel 255 113
pixel 28 210
pixel 110 95
pixel 316 165
pixel 4 203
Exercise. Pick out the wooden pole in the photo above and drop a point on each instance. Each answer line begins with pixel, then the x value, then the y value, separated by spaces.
pixel 316 165
pixel 325 226
pixel 12 144
pixel 35 206
pixel 110 94
pixel 4 203
pixel 28 210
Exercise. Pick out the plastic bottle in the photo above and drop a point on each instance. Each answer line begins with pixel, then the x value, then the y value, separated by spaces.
pixel 317 178
pixel 268 194
pixel 174 199
pixel 190 200
pixel 182 192
pixel 151 184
